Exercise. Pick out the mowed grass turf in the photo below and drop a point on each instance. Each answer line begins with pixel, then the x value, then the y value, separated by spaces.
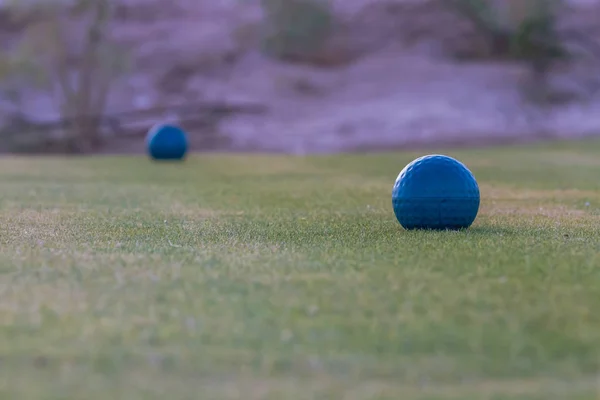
pixel 275 277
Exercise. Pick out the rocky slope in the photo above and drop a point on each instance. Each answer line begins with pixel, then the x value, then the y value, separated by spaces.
pixel 399 88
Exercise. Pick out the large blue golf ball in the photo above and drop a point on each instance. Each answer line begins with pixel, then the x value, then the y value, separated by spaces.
pixel 435 192
pixel 167 142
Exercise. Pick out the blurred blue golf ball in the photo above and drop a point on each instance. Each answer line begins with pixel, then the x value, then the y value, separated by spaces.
pixel 435 192
pixel 167 142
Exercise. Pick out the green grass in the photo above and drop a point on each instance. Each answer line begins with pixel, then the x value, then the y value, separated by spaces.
pixel 272 277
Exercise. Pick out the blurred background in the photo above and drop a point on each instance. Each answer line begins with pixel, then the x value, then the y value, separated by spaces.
pixel 296 76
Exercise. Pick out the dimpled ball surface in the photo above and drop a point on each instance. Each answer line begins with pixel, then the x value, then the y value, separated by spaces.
pixel 435 192
pixel 167 142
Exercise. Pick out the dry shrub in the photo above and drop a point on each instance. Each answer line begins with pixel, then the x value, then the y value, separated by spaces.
pixel 297 30
pixel 66 50
pixel 515 29
pixel 525 31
